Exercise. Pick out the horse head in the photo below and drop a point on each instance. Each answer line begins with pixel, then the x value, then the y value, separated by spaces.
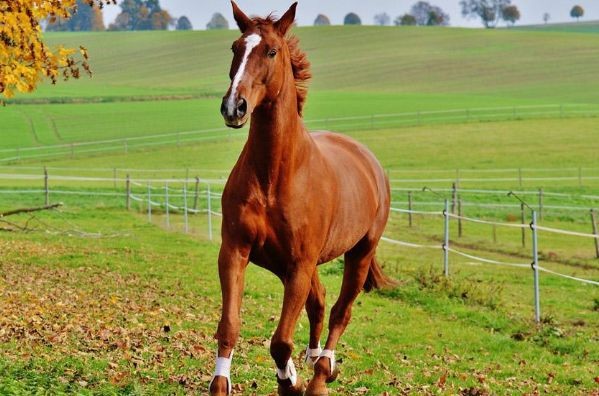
pixel 260 67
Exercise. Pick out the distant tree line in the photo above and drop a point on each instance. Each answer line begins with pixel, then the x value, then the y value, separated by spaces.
pixel 149 15
pixel 134 15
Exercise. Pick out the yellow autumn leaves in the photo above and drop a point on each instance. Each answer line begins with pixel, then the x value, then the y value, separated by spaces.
pixel 24 57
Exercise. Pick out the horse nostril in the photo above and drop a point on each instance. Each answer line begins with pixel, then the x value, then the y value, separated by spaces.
pixel 223 108
pixel 242 107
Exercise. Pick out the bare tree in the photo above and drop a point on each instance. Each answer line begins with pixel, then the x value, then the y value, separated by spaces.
pixel 546 17
pixel 382 19
pixel 488 11
pixel 429 15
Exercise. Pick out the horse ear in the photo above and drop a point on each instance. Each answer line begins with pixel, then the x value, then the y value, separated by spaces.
pixel 243 21
pixel 286 20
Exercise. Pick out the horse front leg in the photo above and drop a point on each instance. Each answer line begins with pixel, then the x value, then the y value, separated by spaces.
pixel 232 263
pixel 315 306
pixel 297 285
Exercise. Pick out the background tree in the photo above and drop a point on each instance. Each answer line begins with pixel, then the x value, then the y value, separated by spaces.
pixel 183 23
pixel 405 20
pixel 322 20
pixel 577 12
pixel 488 11
pixel 510 14
pixel 218 21
pixel 546 17
pixel 141 15
pixel 426 14
pixel 352 19
pixel 25 59
pixel 382 19
pixel 84 18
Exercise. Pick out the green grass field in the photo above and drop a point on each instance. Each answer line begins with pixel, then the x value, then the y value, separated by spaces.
pixel 391 70
pixel 571 27
pixel 95 299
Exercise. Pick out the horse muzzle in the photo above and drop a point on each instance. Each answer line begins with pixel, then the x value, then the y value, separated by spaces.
pixel 234 112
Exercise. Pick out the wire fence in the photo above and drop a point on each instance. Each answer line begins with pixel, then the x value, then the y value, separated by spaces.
pixel 446 248
pixel 199 197
pixel 364 122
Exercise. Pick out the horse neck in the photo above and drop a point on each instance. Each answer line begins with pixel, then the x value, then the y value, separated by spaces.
pixel 277 139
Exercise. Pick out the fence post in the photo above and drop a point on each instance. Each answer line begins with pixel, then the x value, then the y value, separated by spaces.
pixel 446 239
pixel 535 267
pixel 410 208
pixel 595 231
pixel 185 215
pixel 149 203
pixel 540 204
pixel 494 233
pixel 46 187
pixel 128 196
pixel 166 208
pixel 523 221
pixel 209 200
pixel 460 217
pixel 197 194
pixel 454 197
pixel 520 177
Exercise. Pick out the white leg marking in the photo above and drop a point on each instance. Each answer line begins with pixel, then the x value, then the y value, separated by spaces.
pixel 312 355
pixel 223 369
pixel 251 42
pixel 288 373
pixel 331 355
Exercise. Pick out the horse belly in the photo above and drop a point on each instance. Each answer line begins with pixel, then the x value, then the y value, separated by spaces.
pixel 361 191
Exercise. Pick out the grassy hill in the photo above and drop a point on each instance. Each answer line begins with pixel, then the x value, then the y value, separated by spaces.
pixel 570 27
pixel 357 71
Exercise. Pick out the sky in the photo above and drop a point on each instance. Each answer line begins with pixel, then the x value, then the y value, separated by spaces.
pixel 200 11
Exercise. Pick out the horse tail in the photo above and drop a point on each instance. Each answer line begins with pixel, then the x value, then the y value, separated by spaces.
pixel 376 279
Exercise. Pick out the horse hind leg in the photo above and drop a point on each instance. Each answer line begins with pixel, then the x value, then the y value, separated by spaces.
pixel 357 267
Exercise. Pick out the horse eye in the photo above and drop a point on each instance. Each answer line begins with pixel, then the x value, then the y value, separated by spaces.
pixel 272 53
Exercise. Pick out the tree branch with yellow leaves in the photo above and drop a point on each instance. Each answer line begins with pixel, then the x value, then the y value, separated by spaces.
pixel 25 59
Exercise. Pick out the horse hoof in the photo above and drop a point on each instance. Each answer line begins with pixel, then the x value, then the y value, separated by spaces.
pixel 286 389
pixel 334 375
pixel 316 390
pixel 219 387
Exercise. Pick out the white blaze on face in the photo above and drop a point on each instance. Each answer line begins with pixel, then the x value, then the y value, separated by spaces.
pixel 251 42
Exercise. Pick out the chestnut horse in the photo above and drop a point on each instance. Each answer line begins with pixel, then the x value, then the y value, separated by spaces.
pixel 294 200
